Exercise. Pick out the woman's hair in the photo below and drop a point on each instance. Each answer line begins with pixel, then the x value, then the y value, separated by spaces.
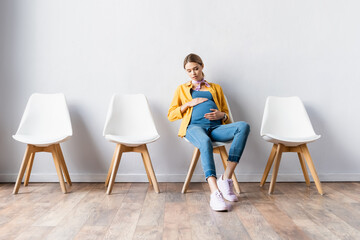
pixel 192 57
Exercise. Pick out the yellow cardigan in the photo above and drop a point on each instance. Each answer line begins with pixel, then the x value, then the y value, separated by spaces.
pixel 183 95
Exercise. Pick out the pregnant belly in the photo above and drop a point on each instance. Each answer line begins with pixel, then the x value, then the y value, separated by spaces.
pixel 201 109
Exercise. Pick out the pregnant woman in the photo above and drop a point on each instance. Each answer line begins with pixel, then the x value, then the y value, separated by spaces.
pixel 205 118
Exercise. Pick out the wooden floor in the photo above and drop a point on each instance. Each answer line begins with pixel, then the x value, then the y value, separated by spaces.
pixel 135 211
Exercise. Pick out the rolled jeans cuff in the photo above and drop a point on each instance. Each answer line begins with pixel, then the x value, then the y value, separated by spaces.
pixel 234 159
pixel 210 173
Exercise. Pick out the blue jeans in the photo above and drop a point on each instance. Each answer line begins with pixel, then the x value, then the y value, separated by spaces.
pixel 202 137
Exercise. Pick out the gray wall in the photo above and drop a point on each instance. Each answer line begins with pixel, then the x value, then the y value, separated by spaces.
pixel 91 49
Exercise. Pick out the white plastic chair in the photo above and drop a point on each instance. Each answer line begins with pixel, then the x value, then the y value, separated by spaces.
pixel 44 125
pixel 219 148
pixel 286 124
pixel 130 125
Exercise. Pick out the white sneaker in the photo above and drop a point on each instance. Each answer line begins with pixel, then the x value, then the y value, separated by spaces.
pixel 217 202
pixel 226 187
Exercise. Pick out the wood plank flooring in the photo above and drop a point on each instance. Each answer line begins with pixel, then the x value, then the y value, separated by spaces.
pixel 135 211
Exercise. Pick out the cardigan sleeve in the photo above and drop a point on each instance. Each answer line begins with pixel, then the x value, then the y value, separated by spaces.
pixel 174 112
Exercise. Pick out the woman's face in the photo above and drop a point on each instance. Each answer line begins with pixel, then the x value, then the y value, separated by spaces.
pixel 194 70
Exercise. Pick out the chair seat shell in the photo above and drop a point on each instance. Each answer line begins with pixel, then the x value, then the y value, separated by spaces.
pixel 132 141
pixel 129 121
pixel 286 121
pixel 45 121
pixel 287 141
pixel 214 144
pixel 40 141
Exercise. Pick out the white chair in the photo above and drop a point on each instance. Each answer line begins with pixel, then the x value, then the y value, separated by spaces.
pixel 44 125
pixel 130 125
pixel 219 148
pixel 286 124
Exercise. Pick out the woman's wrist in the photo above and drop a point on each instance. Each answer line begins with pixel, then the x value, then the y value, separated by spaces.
pixel 184 107
pixel 225 117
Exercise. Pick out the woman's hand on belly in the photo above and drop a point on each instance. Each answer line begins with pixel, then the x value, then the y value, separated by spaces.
pixel 196 101
pixel 214 115
pixel 192 103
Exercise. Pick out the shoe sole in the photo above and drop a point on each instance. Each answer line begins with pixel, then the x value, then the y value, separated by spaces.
pixel 220 209
pixel 231 200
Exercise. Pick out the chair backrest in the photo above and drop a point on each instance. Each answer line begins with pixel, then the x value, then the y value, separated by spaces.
pixel 286 117
pixel 129 115
pixel 230 114
pixel 46 115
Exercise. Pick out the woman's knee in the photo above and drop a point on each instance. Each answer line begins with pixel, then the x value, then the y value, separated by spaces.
pixel 243 127
pixel 246 127
pixel 206 143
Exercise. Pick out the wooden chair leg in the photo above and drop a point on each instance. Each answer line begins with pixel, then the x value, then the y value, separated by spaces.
pixel 112 165
pixel 149 168
pixel 28 169
pixel 193 163
pixel 268 165
pixel 147 172
pixel 303 167
pixel 63 164
pixel 23 166
pixel 312 169
pixel 58 167
pixel 224 157
pixel 114 168
pixel 276 167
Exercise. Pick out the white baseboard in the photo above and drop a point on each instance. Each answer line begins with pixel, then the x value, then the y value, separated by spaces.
pixel 329 177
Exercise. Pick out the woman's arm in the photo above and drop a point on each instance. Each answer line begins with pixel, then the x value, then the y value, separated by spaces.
pixel 175 112
pixel 177 108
